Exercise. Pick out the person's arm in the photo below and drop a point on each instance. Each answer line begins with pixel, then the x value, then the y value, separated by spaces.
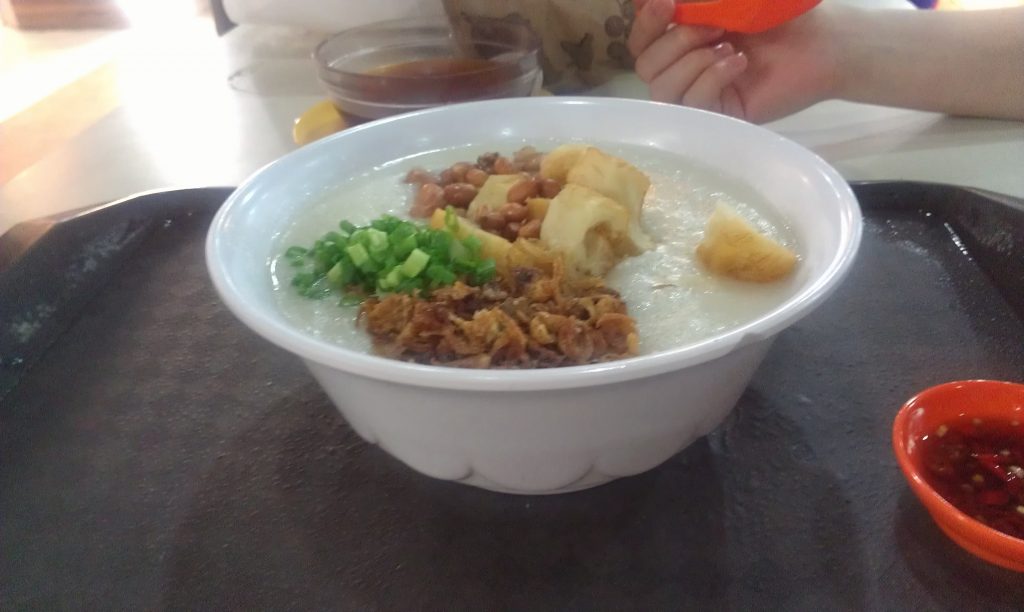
pixel 966 63
pixel 962 63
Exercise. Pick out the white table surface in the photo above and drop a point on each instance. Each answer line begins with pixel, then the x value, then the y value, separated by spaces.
pixel 236 98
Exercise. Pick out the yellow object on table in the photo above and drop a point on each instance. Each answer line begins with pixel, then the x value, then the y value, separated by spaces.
pixel 323 119
pixel 319 120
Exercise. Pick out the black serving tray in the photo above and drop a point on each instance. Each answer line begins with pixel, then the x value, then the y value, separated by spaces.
pixel 155 454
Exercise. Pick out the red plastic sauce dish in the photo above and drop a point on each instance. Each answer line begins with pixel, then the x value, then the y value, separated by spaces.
pixel 961 447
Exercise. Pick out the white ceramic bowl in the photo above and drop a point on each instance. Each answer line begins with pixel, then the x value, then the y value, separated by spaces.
pixel 538 431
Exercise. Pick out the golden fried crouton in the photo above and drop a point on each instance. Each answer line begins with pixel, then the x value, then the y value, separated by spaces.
pixel 557 163
pixel 733 247
pixel 616 179
pixel 590 230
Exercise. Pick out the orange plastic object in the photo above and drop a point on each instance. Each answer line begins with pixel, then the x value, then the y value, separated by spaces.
pixel 746 16
pixel 921 416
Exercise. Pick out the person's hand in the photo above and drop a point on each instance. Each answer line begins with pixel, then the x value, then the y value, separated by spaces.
pixel 757 77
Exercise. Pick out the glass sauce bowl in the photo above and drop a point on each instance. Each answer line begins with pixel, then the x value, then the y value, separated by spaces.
pixel 404 65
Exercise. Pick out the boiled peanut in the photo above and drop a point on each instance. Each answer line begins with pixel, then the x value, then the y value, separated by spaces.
pixel 429 198
pixel 492 221
pixel 419 176
pixel 486 161
pixel 549 188
pixel 513 212
pixel 526 188
pixel 447 176
pixel 532 164
pixel 476 177
pixel 459 171
pixel 525 153
pixel 527 159
pixel 503 165
pixel 459 194
pixel 511 231
pixel 530 229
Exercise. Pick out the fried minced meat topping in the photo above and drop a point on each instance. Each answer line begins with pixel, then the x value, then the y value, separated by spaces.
pixel 532 316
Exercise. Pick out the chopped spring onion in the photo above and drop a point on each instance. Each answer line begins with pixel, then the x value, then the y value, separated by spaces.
pixel 415 264
pixel 388 255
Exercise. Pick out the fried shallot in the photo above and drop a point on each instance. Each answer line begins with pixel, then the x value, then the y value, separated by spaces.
pixel 533 315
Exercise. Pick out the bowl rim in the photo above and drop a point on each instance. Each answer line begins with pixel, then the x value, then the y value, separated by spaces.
pixel 988 539
pixel 500 63
pixel 764 327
